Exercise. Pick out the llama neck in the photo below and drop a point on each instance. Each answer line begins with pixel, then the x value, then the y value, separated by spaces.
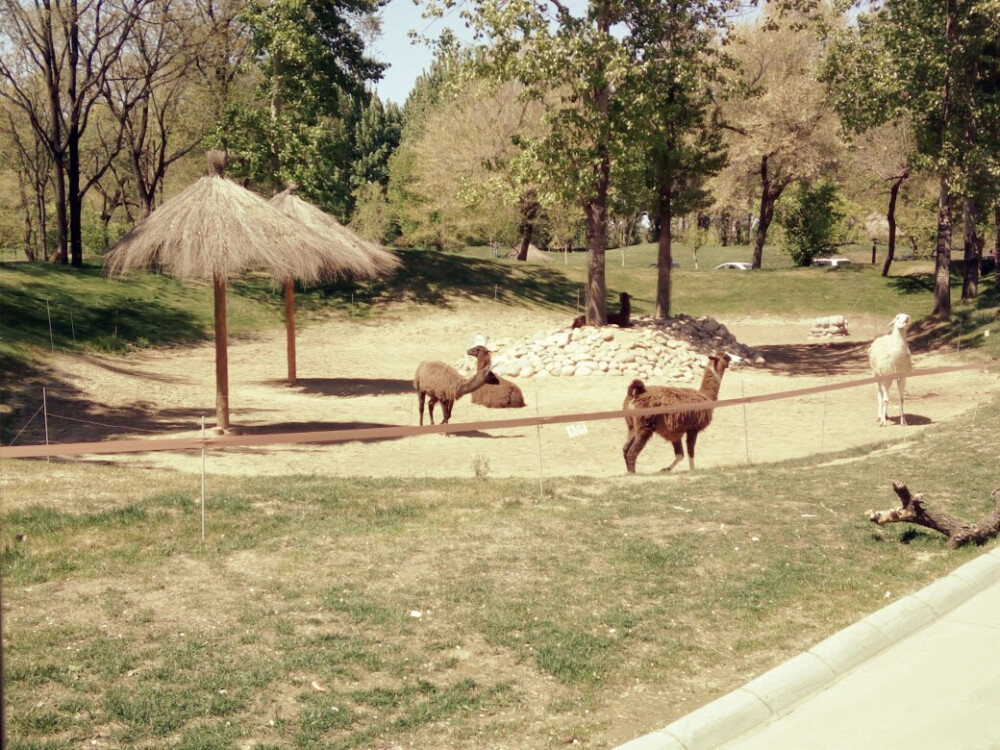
pixel 711 381
pixel 626 308
pixel 477 380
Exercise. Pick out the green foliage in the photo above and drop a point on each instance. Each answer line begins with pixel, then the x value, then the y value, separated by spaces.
pixel 809 217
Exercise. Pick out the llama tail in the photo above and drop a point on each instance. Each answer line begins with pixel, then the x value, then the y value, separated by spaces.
pixel 636 388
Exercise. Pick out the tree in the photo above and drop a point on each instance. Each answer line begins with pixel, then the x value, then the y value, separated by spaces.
pixel 459 181
pixel 809 217
pixel 779 128
pixel 573 65
pixel 883 153
pixel 31 164
pixel 56 62
pixel 675 144
pixel 313 68
pixel 150 85
pixel 949 89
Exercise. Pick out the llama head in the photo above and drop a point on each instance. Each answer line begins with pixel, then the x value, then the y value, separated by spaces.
pixel 900 322
pixel 719 361
pixel 624 297
pixel 482 355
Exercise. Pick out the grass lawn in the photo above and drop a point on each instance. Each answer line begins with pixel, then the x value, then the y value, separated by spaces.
pixel 461 613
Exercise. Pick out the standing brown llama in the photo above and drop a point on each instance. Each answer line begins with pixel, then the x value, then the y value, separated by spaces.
pixel 437 381
pixel 622 318
pixel 674 425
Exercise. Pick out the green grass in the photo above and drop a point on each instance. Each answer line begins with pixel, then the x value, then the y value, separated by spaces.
pixel 294 624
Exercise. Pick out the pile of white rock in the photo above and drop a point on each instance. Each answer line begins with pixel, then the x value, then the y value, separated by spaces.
pixel 828 327
pixel 673 350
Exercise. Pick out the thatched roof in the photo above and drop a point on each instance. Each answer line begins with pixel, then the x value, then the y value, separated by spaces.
pixel 350 254
pixel 217 228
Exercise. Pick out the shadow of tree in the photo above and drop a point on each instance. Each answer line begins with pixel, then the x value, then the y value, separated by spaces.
pixel 432 277
pixel 828 358
pixel 348 387
pixel 118 310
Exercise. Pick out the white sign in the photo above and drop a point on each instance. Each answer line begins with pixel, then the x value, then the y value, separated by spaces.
pixel 576 429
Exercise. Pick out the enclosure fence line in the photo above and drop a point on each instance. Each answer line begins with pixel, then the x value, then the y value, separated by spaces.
pixel 382 433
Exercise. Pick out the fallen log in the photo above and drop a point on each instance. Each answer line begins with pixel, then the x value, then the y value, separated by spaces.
pixel 958 532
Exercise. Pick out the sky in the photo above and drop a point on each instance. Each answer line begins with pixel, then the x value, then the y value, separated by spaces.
pixel 407 59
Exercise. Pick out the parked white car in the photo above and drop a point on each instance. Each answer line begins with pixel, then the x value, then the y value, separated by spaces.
pixel 832 262
pixel 738 265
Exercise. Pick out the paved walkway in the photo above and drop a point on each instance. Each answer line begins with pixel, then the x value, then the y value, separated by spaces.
pixel 921 674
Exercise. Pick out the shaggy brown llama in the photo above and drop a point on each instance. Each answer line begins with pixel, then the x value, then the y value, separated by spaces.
pixel 674 425
pixel 437 381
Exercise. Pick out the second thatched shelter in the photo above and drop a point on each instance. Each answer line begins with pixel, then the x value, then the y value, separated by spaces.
pixel 348 255
pixel 215 229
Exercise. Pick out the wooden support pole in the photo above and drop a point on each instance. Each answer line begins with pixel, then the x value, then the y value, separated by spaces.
pixel 221 357
pixel 290 327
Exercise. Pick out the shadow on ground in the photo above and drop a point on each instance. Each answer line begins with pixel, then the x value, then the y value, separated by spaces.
pixel 348 387
pixel 828 358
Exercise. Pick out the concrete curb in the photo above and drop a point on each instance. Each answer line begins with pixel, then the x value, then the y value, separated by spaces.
pixel 777 691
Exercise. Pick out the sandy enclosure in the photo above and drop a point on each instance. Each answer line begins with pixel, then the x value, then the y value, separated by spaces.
pixel 355 374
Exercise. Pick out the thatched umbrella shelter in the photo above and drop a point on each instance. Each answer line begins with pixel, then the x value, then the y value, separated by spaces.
pixel 215 229
pixel 350 255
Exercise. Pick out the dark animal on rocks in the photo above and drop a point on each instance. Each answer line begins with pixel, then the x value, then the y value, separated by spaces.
pixel 622 318
pixel 674 425
pixel 437 381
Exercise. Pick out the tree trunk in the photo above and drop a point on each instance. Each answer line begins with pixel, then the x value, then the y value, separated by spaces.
pixel 664 254
pixel 597 227
pixel 75 200
pixel 73 142
pixel 959 533
pixel 530 207
pixel 971 251
pixel 890 215
pixel 290 327
pixel 221 357
pixel 62 221
pixel 996 246
pixel 942 255
pixel 770 191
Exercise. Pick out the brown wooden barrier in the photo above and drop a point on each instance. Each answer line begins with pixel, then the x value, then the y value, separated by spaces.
pixel 375 433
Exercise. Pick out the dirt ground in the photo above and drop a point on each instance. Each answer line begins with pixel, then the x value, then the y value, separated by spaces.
pixel 355 374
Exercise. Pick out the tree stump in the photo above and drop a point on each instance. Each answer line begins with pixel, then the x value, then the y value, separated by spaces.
pixel 958 532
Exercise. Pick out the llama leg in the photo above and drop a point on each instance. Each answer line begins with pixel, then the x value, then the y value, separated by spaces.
pixel 431 401
pixel 446 408
pixel 637 441
pixel 420 402
pixel 883 398
pixel 901 384
pixel 678 454
pixel 692 438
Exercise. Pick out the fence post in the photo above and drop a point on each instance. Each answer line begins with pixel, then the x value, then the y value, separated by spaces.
pixel 203 480
pixel 45 418
pixel 538 435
